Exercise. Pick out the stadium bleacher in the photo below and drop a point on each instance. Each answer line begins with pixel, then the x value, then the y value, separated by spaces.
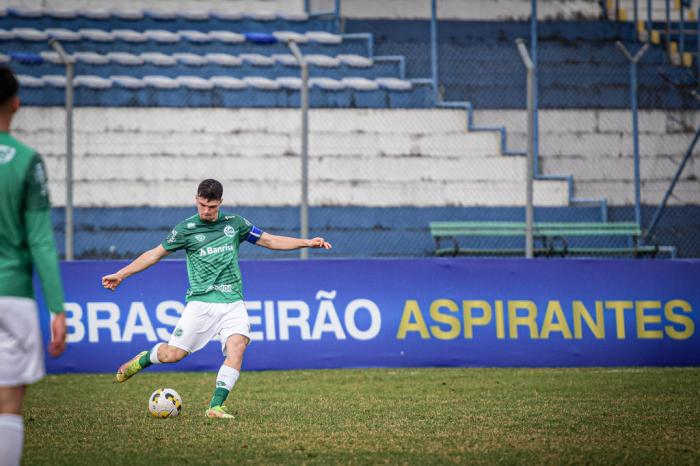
pixel 144 60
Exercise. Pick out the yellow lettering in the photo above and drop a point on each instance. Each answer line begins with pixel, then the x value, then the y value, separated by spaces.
pixel 527 320
pixel 450 320
pixel 554 309
pixel 500 327
pixel 680 319
pixel 470 321
pixel 619 307
pixel 643 319
pixel 597 326
pixel 411 310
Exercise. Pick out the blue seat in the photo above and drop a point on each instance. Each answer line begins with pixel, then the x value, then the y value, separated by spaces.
pixel 192 91
pixel 139 19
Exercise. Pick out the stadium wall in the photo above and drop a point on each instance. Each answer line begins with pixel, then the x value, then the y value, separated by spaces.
pixel 404 313
pixel 369 158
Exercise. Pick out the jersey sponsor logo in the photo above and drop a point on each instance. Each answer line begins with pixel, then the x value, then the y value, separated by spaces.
pixel 7 153
pixel 229 231
pixel 199 238
pixel 191 225
pixel 177 332
pixel 215 250
pixel 223 288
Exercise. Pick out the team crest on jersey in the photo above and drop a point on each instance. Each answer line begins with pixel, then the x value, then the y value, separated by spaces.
pixel 200 238
pixel 7 153
pixel 230 231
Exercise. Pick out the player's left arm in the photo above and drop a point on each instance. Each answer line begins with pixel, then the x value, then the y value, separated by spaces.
pixel 286 243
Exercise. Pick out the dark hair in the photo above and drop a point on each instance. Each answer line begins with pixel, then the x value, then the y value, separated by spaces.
pixel 210 190
pixel 9 86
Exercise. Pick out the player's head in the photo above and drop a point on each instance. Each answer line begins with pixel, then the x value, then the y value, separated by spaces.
pixel 209 197
pixel 9 87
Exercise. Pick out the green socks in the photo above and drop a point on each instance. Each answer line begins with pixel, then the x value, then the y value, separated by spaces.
pixel 145 360
pixel 225 380
pixel 219 397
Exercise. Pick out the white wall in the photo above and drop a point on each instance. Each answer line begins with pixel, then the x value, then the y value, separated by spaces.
pixel 392 9
pixel 597 148
pixel 169 5
pixel 358 157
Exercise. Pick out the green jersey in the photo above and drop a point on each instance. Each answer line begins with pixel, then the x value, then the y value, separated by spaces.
pixel 212 255
pixel 26 234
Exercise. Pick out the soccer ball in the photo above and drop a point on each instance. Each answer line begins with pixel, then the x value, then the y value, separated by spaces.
pixel 165 402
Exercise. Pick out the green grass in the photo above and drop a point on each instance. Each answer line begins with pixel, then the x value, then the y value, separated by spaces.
pixel 416 416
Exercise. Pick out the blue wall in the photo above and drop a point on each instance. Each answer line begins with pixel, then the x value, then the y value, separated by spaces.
pixel 404 313
pixel 116 233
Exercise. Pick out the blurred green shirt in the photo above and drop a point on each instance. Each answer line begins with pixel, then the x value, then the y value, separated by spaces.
pixel 26 234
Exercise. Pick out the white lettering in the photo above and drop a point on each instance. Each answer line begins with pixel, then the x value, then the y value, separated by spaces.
pixel 137 311
pixel 167 319
pixel 270 321
pixel 74 317
pixel 375 319
pixel 301 321
pixel 255 320
pixel 327 318
pixel 111 323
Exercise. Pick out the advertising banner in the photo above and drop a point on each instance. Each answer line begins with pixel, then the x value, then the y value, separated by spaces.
pixel 402 313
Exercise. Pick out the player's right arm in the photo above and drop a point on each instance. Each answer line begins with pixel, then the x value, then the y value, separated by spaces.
pixel 144 261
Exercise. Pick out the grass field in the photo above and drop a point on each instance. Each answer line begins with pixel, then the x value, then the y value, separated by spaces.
pixel 417 416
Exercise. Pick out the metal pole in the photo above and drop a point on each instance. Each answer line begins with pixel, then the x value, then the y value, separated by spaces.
pixel 650 24
pixel 529 171
pixel 676 177
pixel 433 47
pixel 69 62
pixel 304 208
pixel 635 126
pixel 535 93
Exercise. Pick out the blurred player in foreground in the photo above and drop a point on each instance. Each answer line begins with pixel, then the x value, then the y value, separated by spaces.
pixel 214 298
pixel 26 240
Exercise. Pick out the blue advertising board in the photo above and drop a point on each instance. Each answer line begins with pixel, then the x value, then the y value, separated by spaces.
pixel 403 313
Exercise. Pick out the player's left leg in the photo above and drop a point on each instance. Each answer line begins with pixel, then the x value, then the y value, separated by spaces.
pixel 21 364
pixel 228 375
pixel 235 336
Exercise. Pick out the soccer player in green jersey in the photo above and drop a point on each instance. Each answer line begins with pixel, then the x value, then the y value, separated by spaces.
pixel 26 243
pixel 214 298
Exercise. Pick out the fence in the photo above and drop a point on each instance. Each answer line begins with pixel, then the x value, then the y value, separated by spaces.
pixel 384 161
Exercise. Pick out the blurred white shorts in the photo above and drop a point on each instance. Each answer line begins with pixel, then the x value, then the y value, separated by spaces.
pixel 21 345
pixel 201 322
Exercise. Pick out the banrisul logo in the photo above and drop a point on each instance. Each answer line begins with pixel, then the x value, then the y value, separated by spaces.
pixel 7 153
pixel 177 332
pixel 200 238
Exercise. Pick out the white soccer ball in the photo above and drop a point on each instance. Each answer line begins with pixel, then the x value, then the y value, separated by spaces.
pixel 165 402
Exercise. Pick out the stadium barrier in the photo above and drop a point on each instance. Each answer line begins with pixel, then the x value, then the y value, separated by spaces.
pixel 404 313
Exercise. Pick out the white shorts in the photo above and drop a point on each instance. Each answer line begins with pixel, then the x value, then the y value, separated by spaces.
pixel 201 322
pixel 21 345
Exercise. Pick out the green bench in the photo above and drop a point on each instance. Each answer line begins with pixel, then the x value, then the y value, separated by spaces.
pixel 550 238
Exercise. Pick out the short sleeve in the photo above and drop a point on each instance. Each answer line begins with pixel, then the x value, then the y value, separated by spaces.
pixel 174 241
pixel 36 191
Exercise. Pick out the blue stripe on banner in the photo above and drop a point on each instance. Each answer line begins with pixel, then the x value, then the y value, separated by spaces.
pixel 402 313
pixel 254 235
